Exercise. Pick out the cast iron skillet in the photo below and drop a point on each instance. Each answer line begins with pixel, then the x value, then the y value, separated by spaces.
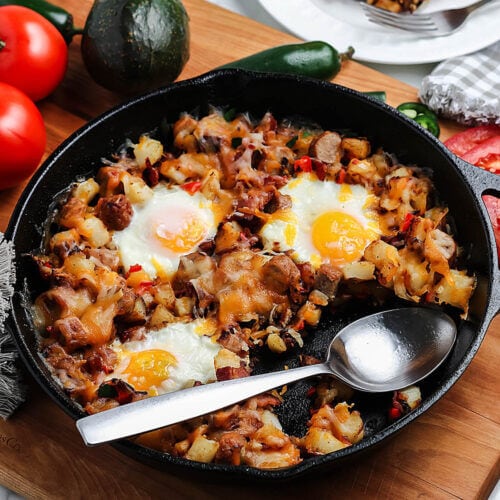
pixel 333 107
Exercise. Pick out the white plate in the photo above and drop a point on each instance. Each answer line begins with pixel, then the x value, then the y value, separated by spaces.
pixel 342 23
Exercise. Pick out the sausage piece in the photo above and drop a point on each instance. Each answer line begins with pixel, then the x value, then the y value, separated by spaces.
pixel 280 273
pixel 326 147
pixel 115 211
pixel 327 280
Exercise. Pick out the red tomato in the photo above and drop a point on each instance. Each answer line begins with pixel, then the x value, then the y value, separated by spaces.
pixel 33 54
pixel 22 136
pixel 492 204
pixel 490 162
pixel 487 148
pixel 464 141
pixel 481 147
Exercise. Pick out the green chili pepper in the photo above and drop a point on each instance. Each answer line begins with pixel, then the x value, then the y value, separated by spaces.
pixel 377 94
pixel 422 115
pixel 59 17
pixel 315 59
pixel 429 124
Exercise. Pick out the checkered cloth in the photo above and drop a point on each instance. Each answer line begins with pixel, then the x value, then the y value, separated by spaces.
pixel 466 88
pixel 12 392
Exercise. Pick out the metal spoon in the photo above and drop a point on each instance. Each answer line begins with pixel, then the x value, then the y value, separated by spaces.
pixel 382 352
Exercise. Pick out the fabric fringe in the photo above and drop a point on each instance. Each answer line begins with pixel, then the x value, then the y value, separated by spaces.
pixel 12 391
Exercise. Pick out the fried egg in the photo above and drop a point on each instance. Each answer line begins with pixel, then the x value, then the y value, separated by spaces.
pixel 171 224
pixel 327 222
pixel 169 359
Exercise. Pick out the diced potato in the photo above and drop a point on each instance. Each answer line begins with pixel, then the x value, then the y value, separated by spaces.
pixel 381 163
pixel 361 170
pixel 437 215
pixel 181 447
pixel 455 289
pixel 439 248
pixel 310 313
pixel 362 270
pixel 412 279
pixel 161 315
pixel 164 294
pixel 136 190
pixel 62 242
pixel 187 166
pixel 94 231
pixel 86 190
pixel 183 306
pixel 270 448
pixel 227 237
pixel 77 264
pixel 202 450
pixel 320 441
pixel 276 343
pixel 399 172
pixel 147 149
pixel 318 298
pixel 211 184
pixel 327 392
pixel 355 147
pixel 269 418
pixel 348 424
pixel 411 396
pixel 137 277
pixel 386 260
pixel 225 358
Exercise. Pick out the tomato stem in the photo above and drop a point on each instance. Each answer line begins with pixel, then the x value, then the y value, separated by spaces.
pixel 2 44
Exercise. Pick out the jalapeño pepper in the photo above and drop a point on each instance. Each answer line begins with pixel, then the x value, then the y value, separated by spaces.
pixel 377 94
pixel 422 115
pixel 316 59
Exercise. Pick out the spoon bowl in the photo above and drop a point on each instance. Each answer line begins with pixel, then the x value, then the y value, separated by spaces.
pixel 391 349
pixel 383 352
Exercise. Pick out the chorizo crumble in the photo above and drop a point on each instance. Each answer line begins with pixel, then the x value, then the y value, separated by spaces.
pixel 255 297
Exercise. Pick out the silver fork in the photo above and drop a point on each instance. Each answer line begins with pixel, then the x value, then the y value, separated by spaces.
pixel 431 25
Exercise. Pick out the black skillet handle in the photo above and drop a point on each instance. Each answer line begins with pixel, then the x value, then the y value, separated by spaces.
pixel 483 182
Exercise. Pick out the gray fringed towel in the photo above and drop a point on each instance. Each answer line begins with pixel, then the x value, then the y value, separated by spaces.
pixel 466 88
pixel 12 392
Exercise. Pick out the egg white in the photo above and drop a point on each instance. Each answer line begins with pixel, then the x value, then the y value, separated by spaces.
pixel 193 354
pixel 182 213
pixel 291 229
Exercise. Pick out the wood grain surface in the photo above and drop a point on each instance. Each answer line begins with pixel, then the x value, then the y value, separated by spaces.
pixel 452 451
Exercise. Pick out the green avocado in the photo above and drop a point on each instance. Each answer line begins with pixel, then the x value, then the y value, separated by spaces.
pixel 131 46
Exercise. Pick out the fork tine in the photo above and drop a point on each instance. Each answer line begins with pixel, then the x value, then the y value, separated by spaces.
pixel 404 19
pixel 396 16
pixel 394 24
pixel 399 24
pixel 411 22
pixel 441 23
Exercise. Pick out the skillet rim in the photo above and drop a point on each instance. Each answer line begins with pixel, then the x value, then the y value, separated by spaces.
pixel 170 462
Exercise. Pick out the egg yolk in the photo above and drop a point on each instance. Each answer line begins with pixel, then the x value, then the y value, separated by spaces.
pixel 339 237
pixel 180 233
pixel 147 369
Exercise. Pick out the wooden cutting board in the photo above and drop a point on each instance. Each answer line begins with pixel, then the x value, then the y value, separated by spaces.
pixel 452 451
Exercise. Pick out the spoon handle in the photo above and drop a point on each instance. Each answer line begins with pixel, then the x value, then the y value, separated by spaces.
pixel 155 412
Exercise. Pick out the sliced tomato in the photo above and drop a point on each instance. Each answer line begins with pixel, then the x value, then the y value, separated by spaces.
pixel 490 162
pixel 481 147
pixel 464 141
pixel 492 204
pixel 489 147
